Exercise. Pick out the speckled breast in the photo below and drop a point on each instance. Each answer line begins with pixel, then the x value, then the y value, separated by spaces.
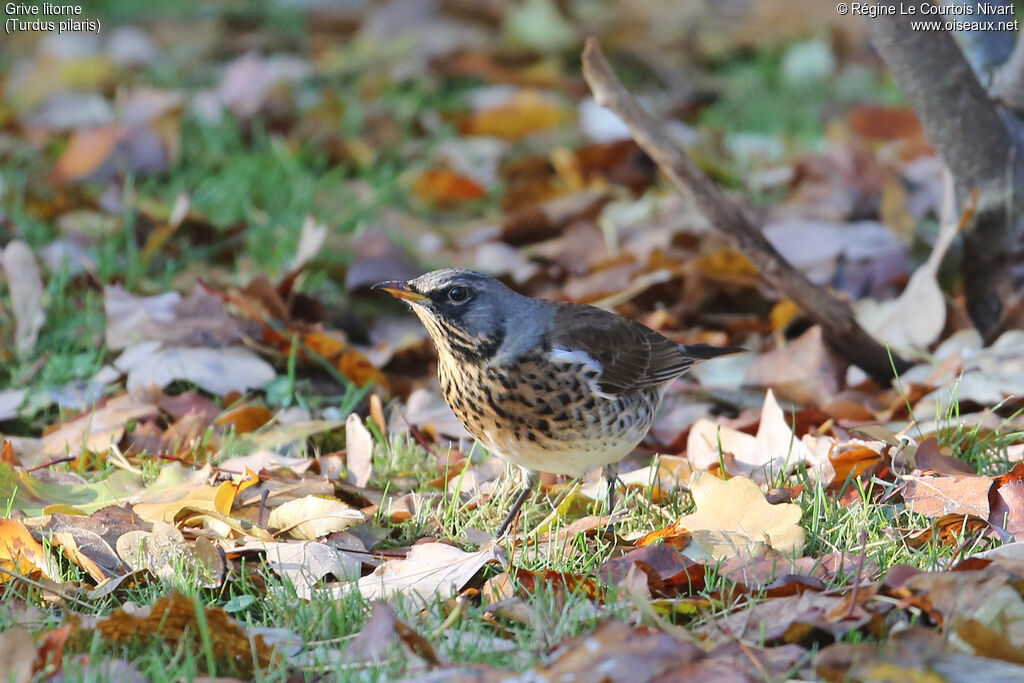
pixel 546 416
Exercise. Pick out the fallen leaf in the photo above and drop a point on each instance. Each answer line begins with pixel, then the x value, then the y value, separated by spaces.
pixel 309 518
pixel 374 642
pixel 197 320
pixel 622 654
pixel 21 553
pixel 87 152
pixel 26 288
pixel 774 451
pixel 17 652
pixel 174 620
pixel 103 427
pixel 526 112
pixel 358 451
pixel 732 517
pixel 305 564
pixel 429 572
pixel 916 318
pixel 444 188
pixel 950 495
pixel 804 370
pixel 216 370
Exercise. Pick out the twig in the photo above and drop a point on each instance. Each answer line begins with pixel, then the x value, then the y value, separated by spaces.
pixel 51 463
pixel 40 586
pixel 841 330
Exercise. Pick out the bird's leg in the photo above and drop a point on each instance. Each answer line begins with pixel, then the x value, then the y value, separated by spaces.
pixel 532 479
pixel 610 473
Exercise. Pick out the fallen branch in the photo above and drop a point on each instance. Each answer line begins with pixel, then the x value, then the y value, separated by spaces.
pixel 838 325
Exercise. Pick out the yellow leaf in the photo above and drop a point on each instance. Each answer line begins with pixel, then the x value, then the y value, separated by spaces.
pixel 310 517
pixel 733 516
pixel 527 112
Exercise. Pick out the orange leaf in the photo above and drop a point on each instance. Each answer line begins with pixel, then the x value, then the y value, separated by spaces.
pixel 87 151
pixel 245 419
pixel 21 553
pixel 885 123
pixel 442 187
pixel 673 536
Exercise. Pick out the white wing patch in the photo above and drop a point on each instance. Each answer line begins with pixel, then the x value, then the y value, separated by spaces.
pixel 560 354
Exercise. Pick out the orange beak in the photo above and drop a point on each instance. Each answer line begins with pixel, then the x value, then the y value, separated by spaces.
pixel 400 290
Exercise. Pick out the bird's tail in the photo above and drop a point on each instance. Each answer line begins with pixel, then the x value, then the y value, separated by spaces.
pixel 706 351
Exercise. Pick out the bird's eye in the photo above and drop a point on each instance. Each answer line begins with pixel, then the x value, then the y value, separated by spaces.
pixel 458 294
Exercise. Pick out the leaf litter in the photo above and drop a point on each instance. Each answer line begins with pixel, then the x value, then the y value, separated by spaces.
pixel 216 424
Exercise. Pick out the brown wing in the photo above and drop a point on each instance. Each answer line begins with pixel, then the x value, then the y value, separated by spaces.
pixel 631 355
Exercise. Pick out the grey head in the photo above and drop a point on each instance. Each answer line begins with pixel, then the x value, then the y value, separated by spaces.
pixel 471 315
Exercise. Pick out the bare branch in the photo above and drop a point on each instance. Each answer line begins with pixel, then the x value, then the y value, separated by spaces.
pixel 841 330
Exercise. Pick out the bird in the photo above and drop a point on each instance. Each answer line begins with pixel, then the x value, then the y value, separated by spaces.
pixel 549 386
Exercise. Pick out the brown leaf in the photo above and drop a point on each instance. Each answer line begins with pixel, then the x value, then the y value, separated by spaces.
pixel 1008 508
pixel 101 428
pixel 621 653
pixel 885 123
pixel 804 371
pixel 50 656
pixel 246 418
pixel 18 653
pixel 378 637
pixel 948 529
pixel 444 188
pixel 952 495
pixel 173 619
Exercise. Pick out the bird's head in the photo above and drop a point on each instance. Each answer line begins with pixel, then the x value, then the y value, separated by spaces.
pixel 467 314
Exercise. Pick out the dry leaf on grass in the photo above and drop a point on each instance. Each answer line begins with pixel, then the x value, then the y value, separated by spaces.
pixel 305 564
pixel 774 451
pixel 733 517
pixel 31 495
pixel 26 288
pixel 22 554
pixel 804 370
pixel 374 642
pixel 103 427
pixel 310 517
pixel 429 572
pixel 18 653
pixel 219 371
pixel 199 319
pixel 620 653
pixel 173 619
pixel 358 451
pixel 937 496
